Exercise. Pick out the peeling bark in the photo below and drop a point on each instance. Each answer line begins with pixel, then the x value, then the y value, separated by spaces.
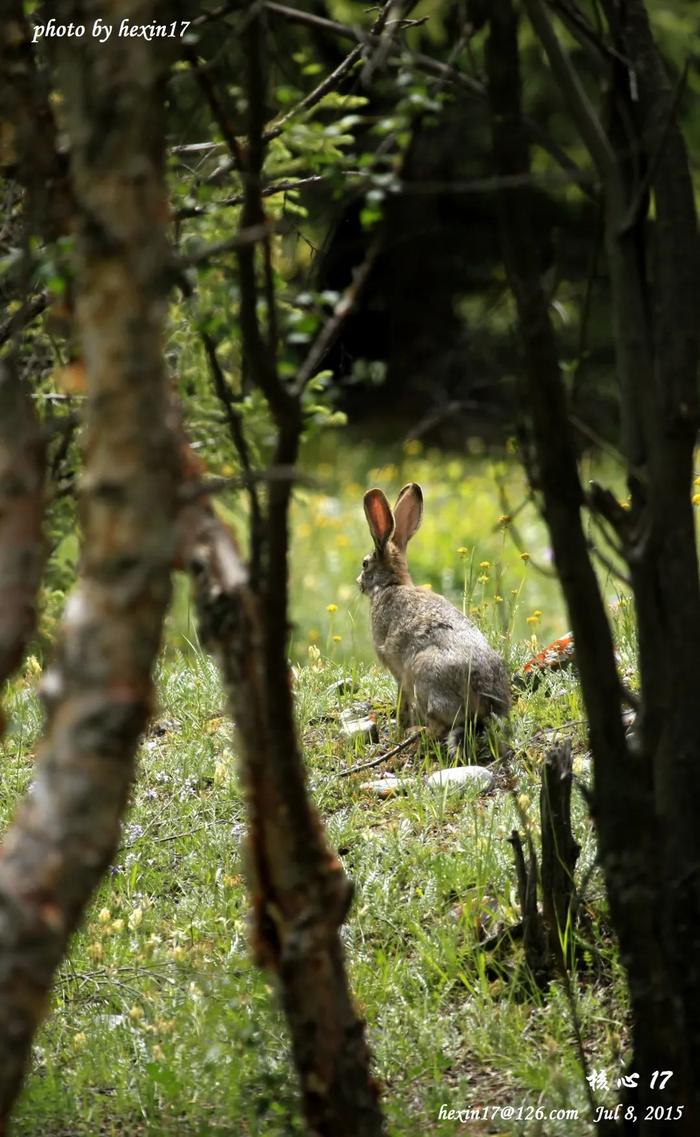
pixel 98 690
pixel 300 892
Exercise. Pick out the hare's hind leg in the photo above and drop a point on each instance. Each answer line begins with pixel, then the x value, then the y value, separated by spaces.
pixel 455 743
pixel 404 712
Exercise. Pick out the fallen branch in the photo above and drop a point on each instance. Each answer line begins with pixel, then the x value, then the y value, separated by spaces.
pixel 382 757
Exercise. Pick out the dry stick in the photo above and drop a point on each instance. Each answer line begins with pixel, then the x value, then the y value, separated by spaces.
pixel 382 757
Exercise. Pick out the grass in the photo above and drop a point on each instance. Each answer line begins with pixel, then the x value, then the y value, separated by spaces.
pixel 161 1025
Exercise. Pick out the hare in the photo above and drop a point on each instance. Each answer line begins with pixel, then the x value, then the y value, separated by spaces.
pixel 445 669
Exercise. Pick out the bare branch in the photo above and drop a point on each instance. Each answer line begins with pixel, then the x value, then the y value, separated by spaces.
pixel 332 328
pixel 219 113
pixel 245 237
pixel 238 437
pixel 314 97
pixel 23 317
pixel 403 745
pixel 586 119
pixel 287 186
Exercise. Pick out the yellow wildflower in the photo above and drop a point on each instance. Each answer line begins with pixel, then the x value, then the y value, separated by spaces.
pixel 135 919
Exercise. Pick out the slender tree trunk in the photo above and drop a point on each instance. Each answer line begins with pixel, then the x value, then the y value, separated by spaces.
pixel 300 892
pixel 634 835
pixel 98 690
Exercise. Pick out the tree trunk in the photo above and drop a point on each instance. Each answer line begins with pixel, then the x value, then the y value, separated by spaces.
pixel 635 836
pixel 300 892
pixel 98 690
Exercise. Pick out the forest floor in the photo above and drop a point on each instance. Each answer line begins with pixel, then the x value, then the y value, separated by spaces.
pixel 160 1023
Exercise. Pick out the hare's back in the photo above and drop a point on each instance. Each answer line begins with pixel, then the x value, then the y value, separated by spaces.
pixel 411 620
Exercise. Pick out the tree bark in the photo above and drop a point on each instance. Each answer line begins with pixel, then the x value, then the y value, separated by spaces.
pixel 21 512
pixel 300 892
pixel 98 690
pixel 632 840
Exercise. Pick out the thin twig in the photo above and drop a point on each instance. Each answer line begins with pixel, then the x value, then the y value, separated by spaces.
pixel 314 97
pixel 286 186
pixel 29 310
pixel 215 485
pixel 219 113
pixel 251 235
pixel 238 437
pixel 596 140
pixel 382 757
pixel 331 329
pixel 642 190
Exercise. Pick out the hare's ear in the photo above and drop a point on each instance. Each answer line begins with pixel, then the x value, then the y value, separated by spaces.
pixel 379 517
pixel 408 512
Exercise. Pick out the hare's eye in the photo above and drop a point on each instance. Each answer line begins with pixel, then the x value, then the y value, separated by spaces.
pixel 365 561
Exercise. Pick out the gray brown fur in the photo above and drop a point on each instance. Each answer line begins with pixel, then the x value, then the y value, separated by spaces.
pixel 445 668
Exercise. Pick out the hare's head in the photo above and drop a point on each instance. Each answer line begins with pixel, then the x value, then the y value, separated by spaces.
pixel 391 531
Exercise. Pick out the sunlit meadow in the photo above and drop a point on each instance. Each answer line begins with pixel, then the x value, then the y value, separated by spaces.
pixel 161 1025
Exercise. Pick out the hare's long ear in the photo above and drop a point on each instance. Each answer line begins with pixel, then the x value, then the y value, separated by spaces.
pixel 379 517
pixel 408 512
